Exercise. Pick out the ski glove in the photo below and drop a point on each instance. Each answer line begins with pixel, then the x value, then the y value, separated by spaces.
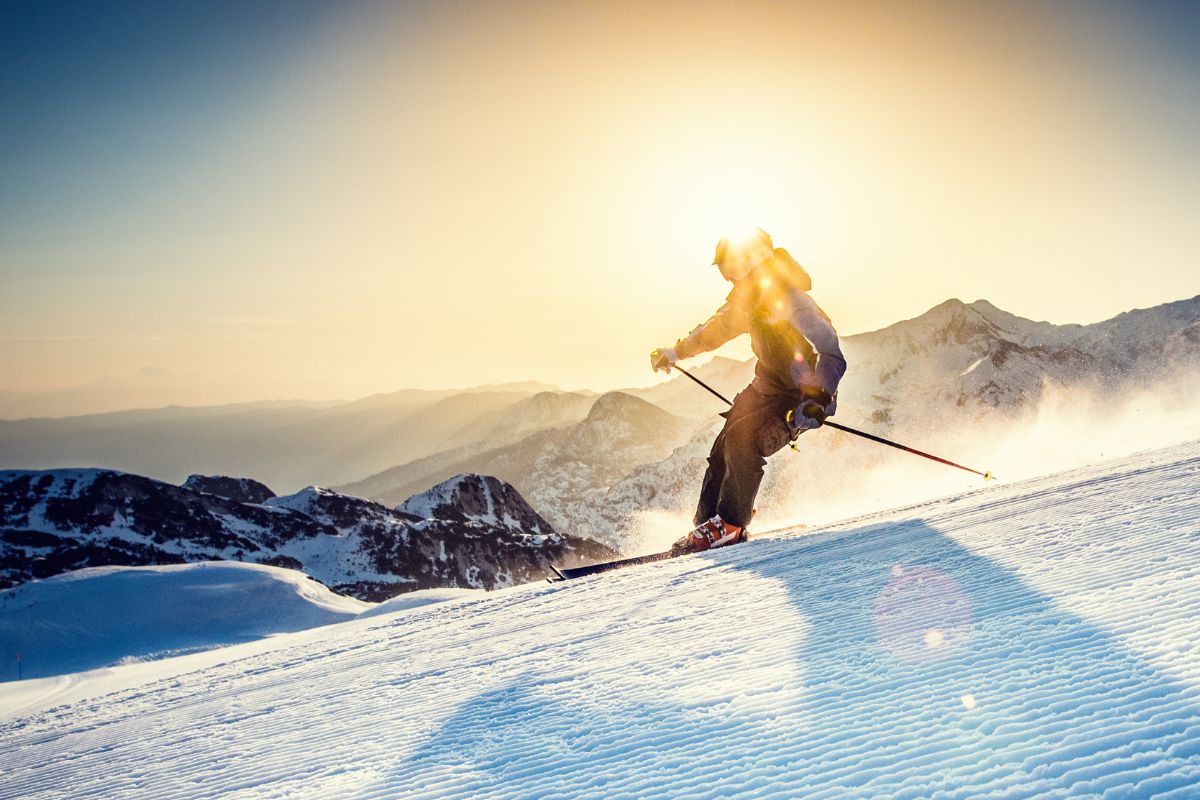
pixel 805 417
pixel 663 359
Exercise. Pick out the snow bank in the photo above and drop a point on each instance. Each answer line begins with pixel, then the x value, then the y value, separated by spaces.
pixel 417 599
pixel 104 616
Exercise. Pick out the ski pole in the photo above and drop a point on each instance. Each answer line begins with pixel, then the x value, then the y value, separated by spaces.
pixel 987 476
pixel 728 402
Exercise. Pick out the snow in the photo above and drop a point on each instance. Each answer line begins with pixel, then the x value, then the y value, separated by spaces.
pixel 103 616
pixel 426 504
pixel 1034 639
pixel 306 501
pixel 974 364
pixel 64 482
pixel 422 598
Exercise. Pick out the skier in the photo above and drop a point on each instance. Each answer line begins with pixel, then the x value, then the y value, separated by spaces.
pixel 795 380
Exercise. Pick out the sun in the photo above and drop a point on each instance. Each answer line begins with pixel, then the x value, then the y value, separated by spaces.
pixel 715 187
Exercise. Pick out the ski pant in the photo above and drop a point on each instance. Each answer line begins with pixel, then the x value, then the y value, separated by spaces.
pixel 755 427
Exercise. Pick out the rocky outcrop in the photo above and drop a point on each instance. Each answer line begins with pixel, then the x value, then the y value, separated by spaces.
pixel 242 490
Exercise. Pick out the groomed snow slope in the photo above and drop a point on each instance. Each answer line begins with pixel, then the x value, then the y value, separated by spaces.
pixel 1039 639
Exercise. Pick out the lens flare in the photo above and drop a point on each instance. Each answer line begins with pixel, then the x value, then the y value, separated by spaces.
pixel 921 614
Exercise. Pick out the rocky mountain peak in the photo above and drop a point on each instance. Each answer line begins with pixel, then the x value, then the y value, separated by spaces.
pixel 622 406
pixel 619 420
pixel 477 498
pixel 328 506
pixel 951 325
pixel 950 306
pixel 544 410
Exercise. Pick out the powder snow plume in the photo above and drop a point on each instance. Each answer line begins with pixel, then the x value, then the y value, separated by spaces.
pixel 843 475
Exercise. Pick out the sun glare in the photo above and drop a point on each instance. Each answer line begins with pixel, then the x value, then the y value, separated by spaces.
pixel 717 186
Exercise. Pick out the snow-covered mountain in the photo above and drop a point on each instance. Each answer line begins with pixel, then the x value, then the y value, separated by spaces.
pixel 476 498
pixel 560 471
pixel 926 379
pixel 590 465
pixel 959 361
pixel 1035 639
pixel 60 520
pixel 929 381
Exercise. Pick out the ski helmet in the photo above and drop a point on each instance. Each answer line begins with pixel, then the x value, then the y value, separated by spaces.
pixel 740 242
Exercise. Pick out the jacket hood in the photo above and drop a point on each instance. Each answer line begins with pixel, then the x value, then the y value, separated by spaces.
pixel 770 280
pixel 787 269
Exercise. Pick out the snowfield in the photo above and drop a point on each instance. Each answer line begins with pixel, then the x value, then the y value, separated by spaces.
pixel 1038 639
pixel 104 615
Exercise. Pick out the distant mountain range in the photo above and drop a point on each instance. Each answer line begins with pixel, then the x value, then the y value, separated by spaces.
pixel 564 470
pixel 588 463
pixel 158 387
pixel 149 387
pixel 471 531
pixel 288 447
pixel 954 366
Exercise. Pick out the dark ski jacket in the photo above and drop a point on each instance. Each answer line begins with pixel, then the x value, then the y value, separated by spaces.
pixel 796 345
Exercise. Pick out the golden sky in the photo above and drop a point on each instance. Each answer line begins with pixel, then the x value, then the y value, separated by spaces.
pixel 447 194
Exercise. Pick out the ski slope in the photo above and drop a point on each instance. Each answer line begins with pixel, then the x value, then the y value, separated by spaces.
pixel 1039 639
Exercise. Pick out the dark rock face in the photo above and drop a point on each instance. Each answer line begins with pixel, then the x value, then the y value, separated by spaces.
pixel 59 520
pixel 241 490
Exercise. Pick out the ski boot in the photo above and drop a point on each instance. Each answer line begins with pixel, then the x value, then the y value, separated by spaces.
pixel 716 532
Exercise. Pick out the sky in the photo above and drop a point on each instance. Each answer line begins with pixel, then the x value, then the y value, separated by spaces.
pixel 325 200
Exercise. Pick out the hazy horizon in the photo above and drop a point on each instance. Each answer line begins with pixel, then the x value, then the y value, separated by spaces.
pixel 191 391
pixel 318 201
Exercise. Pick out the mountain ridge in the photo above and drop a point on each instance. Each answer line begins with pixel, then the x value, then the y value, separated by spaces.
pixel 954 366
pixel 55 521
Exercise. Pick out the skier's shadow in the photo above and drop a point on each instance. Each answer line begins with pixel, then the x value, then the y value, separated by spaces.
pixel 899 664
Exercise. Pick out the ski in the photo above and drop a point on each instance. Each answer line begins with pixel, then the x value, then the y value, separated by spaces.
pixel 567 573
